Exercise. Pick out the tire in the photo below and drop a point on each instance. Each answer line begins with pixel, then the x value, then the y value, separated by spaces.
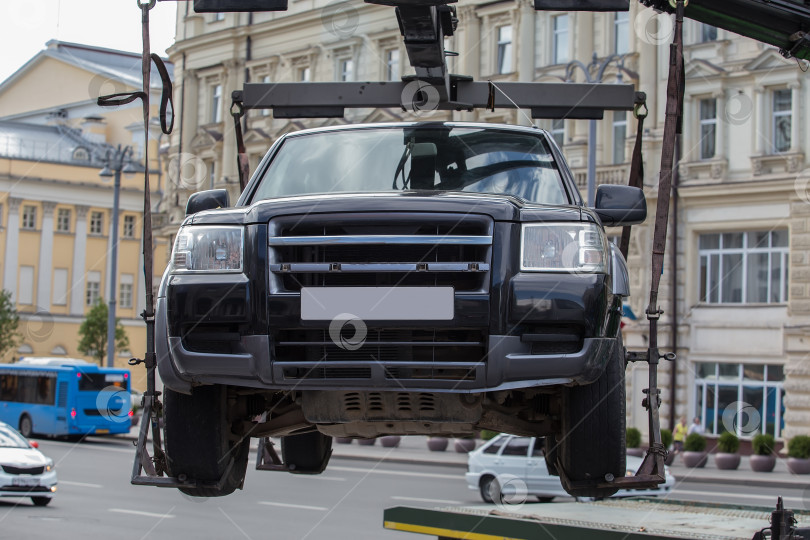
pixel 544 499
pixel 307 453
pixel 26 426
pixel 41 501
pixel 198 441
pixel 488 486
pixel 592 444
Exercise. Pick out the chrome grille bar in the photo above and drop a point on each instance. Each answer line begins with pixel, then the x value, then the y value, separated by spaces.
pixel 466 240
pixel 318 268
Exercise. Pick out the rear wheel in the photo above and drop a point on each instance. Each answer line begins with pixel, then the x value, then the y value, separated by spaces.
pixel 26 426
pixel 592 444
pixel 41 501
pixel 307 453
pixel 200 445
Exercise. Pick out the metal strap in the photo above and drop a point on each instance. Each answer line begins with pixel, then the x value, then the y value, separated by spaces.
pixel 636 170
pixel 238 111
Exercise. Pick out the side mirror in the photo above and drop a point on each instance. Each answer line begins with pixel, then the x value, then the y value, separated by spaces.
pixel 619 206
pixel 207 200
pixel 34 444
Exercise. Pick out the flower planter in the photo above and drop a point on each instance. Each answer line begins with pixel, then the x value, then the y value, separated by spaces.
pixel 366 442
pixel 344 440
pixel 390 441
pixel 464 446
pixel 726 461
pixel 798 465
pixel 695 459
pixel 763 463
pixel 437 444
pixel 638 452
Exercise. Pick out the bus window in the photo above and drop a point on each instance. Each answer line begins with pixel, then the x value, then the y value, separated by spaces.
pixel 8 388
pixel 95 382
pixel 46 391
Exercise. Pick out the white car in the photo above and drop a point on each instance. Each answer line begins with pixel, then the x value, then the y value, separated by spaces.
pixel 24 470
pixel 515 467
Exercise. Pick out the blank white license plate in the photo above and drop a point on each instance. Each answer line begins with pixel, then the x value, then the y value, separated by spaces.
pixel 377 303
pixel 25 481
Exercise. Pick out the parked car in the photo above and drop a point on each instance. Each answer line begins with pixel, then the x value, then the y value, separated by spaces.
pixel 427 278
pixel 507 457
pixel 24 470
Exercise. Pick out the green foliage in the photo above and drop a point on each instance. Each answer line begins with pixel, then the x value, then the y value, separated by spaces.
pixel 93 333
pixel 728 443
pixel 762 444
pixel 633 437
pixel 9 321
pixel 695 443
pixel 487 434
pixel 666 437
pixel 799 447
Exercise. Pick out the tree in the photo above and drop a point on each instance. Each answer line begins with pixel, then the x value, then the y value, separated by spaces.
pixel 93 333
pixel 9 320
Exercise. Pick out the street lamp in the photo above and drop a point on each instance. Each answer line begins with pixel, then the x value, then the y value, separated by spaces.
pixel 116 162
pixel 599 69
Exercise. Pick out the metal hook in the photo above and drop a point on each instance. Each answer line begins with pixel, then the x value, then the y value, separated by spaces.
pixel 148 4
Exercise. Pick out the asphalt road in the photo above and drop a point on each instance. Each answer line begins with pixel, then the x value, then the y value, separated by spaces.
pixel 96 500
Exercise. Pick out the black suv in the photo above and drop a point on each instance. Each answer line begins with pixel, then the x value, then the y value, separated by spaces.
pixel 419 278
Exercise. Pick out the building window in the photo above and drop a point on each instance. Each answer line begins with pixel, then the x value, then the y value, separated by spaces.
pixel 392 65
pixel 216 103
pixel 782 105
pixel 621 32
pixel 744 267
pixel 29 217
pixel 96 223
pixel 26 291
pixel 93 292
pixel 558 131
pixel 125 294
pixel 218 17
pixel 560 44
pixel 708 33
pixel 505 49
pixel 619 135
pixel 708 127
pixel 63 220
pixel 129 227
pixel 745 397
pixel 346 69
pixel 304 74
pixel 60 283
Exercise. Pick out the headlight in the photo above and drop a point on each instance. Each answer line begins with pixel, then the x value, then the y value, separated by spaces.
pixel 49 466
pixel 563 247
pixel 208 249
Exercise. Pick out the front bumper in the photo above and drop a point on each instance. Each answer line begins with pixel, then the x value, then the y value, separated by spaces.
pixel 45 485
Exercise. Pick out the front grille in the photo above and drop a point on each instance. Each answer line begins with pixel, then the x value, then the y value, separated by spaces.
pixel 327 373
pixel 26 489
pixel 552 339
pixel 377 250
pixel 8 469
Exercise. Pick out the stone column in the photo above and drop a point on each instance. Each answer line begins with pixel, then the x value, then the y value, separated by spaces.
pixel 12 247
pixel 232 81
pixel 688 152
pixel 79 253
pixel 759 127
pixel 525 50
pixel 795 97
pixel 45 264
pixel 720 149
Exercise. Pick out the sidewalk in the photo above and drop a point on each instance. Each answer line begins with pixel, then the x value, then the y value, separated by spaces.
pixel 413 450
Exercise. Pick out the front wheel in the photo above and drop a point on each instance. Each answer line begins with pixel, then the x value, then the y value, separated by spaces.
pixel 200 444
pixel 489 489
pixel 592 443
pixel 41 501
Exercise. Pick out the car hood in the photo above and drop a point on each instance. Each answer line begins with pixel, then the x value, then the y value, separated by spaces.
pixel 22 457
pixel 498 207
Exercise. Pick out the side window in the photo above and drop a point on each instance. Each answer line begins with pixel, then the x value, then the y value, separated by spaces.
pixel 494 447
pixel 519 446
pixel 539 445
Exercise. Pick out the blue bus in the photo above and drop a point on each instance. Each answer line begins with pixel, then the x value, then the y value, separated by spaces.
pixel 64 396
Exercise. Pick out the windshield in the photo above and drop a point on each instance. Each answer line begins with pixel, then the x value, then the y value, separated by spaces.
pixel 435 158
pixel 11 439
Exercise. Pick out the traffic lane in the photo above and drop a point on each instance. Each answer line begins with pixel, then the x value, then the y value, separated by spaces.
pixel 347 501
pixel 794 498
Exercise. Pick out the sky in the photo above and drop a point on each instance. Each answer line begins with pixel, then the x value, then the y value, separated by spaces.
pixel 26 25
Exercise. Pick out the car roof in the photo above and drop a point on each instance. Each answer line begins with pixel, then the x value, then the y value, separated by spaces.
pixel 398 125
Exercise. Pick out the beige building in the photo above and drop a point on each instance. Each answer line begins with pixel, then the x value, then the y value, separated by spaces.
pixel 742 273
pixel 55 210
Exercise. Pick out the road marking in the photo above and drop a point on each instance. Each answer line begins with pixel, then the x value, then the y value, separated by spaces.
pixel 140 513
pixel 79 484
pixel 676 492
pixel 419 499
pixel 299 506
pixel 399 473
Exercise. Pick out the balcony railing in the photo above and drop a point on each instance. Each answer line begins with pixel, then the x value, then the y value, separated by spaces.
pixel 605 174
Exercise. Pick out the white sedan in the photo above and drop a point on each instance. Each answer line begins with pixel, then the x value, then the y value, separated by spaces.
pixel 515 467
pixel 24 470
